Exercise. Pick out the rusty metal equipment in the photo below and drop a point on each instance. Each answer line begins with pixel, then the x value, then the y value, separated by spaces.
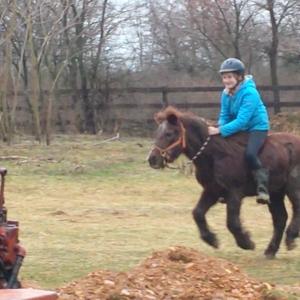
pixel 11 258
pixel 27 294
pixel 11 252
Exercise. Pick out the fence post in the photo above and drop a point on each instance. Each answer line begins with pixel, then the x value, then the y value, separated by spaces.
pixel 165 102
pixel 276 100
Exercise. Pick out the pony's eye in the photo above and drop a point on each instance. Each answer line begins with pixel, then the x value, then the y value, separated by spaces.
pixel 168 134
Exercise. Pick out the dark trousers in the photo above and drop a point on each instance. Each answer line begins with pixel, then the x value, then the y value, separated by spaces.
pixel 256 140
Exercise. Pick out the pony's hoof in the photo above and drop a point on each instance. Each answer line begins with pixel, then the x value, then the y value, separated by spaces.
pixel 215 244
pixel 252 246
pixel 247 245
pixel 291 245
pixel 269 255
pixel 211 240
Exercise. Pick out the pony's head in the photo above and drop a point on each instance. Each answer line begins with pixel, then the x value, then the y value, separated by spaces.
pixel 170 139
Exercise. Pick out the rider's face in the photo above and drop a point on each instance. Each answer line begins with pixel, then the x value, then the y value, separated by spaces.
pixel 229 80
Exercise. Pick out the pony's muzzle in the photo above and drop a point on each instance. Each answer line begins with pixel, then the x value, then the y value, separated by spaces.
pixel 156 161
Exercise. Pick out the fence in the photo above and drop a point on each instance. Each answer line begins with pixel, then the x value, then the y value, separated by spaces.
pixel 133 108
pixel 165 91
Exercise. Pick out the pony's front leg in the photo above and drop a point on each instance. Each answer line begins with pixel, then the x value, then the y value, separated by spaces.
pixel 279 217
pixel 206 201
pixel 234 225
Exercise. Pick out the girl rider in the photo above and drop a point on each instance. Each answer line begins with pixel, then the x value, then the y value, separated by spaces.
pixel 242 109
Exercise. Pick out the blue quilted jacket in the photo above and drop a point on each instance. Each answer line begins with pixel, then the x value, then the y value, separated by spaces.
pixel 243 111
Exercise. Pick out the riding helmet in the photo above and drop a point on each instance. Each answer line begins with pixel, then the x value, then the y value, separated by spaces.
pixel 232 65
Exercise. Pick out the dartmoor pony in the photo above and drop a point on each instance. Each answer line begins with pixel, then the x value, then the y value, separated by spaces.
pixel 222 172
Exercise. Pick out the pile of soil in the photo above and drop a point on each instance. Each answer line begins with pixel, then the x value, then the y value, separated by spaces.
pixel 176 273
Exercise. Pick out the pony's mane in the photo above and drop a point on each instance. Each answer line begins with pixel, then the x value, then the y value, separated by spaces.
pixel 233 144
pixel 171 110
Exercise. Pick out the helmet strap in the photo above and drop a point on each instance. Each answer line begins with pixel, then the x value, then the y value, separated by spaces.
pixel 239 78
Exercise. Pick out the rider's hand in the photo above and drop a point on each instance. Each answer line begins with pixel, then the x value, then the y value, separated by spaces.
pixel 213 130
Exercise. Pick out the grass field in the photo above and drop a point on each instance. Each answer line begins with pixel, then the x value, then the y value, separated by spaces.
pixel 84 204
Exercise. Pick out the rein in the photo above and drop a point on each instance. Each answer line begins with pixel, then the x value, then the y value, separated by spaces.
pixel 201 149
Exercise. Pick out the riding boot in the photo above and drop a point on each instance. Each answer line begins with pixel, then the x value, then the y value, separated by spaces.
pixel 261 177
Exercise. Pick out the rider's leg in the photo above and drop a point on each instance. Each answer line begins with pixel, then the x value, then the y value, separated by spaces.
pixel 261 175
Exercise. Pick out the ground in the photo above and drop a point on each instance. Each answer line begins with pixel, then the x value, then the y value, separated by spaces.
pixel 87 205
pixel 180 273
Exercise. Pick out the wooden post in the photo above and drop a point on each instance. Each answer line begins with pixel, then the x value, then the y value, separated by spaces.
pixel 165 102
pixel 276 95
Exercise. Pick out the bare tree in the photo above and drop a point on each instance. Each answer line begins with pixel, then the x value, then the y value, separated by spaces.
pixel 8 28
pixel 91 45
pixel 226 26
pixel 279 11
pixel 167 28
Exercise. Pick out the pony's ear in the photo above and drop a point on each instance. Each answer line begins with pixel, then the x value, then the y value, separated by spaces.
pixel 169 116
pixel 158 118
pixel 172 119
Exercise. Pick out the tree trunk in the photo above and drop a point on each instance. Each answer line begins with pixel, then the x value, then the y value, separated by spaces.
pixel 48 129
pixel 273 56
pixel 6 125
pixel 70 53
pixel 35 88
pixel 87 103
pixel 5 88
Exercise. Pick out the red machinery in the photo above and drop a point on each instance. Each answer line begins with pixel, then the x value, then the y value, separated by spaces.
pixel 11 252
pixel 11 258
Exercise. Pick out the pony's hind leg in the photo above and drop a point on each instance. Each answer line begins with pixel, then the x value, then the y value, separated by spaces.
pixel 234 225
pixel 279 217
pixel 206 201
pixel 293 193
pixel 292 231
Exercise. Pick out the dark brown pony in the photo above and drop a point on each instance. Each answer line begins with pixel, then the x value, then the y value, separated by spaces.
pixel 221 170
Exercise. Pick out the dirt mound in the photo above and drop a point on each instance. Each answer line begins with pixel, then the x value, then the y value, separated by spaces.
pixel 176 273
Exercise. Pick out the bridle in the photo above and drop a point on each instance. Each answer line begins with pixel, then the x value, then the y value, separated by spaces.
pixel 182 142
